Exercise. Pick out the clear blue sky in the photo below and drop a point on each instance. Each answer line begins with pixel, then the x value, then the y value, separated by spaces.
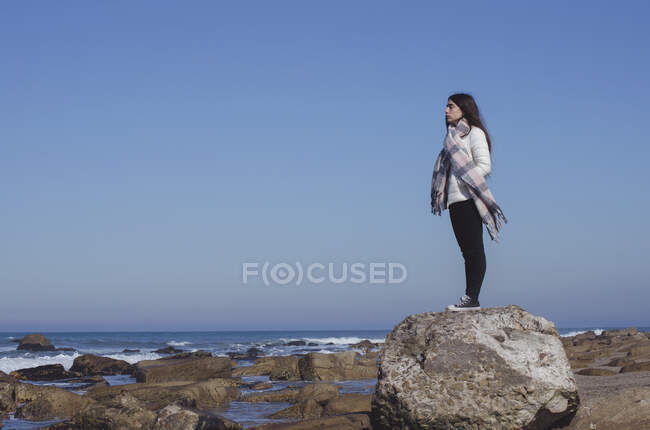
pixel 148 149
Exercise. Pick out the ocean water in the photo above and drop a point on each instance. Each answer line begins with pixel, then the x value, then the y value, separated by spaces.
pixel 112 344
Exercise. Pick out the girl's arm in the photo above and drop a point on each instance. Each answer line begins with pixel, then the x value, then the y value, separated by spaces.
pixel 480 151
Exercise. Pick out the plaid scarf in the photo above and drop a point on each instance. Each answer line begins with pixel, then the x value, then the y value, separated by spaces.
pixel 453 158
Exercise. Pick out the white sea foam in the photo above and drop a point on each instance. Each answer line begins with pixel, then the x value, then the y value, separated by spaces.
pixel 9 364
pixel 339 340
pixel 176 343
pixel 597 331
pixel 134 358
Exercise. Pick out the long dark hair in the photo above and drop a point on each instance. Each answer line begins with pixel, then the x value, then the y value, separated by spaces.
pixel 467 104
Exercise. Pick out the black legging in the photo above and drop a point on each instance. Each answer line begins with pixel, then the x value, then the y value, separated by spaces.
pixel 468 229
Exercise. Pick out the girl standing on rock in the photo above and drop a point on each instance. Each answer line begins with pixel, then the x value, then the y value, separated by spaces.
pixel 458 184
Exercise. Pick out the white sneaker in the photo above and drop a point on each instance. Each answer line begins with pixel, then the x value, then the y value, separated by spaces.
pixel 466 304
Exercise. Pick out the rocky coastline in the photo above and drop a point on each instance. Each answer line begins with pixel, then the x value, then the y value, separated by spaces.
pixel 436 370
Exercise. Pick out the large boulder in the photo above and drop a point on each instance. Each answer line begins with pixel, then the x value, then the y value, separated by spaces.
pixel 35 342
pixel 492 368
pixel 89 364
pixel 184 369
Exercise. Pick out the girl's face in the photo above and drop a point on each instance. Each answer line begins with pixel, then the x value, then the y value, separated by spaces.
pixel 453 112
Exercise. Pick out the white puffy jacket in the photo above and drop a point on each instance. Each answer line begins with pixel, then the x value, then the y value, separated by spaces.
pixel 476 147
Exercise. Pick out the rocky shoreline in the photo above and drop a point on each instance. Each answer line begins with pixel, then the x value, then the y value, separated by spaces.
pixel 191 390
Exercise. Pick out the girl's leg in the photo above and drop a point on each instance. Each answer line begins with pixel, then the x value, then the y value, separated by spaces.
pixel 468 229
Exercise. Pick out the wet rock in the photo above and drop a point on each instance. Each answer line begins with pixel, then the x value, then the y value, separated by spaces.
pixel 183 369
pixel 339 366
pixel 364 345
pixel 296 343
pixel 124 412
pixel 278 368
pixel 6 378
pixel 48 372
pixel 348 403
pixel 596 371
pixel 622 332
pixel 343 422
pixel 89 365
pixel 640 351
pixel 168 350
pixel 178 417
pixel 208 394
pixel 580 363
pixel 317 392
pixel 619 362
pixel 195 354
pixel 251 354
pixel 39 403
pixel 7 386
pixel 492 368
pixel 35 342
pixel 636 367
pixel 308 408
pixel 130 350
pixel 625 409
pixel 262 386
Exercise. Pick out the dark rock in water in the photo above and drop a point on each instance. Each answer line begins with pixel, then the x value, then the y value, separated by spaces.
pixel 196 354
pixel 65 348
pixel 497 368
pixel 312 344
pixel 254 352
pixel 89 364
pixel 329 343
pixel 130 350
pixel 169 350
pixel 48 372
pixel 296 343
pixel 365 345
pixel 35 342
pixel 251 354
